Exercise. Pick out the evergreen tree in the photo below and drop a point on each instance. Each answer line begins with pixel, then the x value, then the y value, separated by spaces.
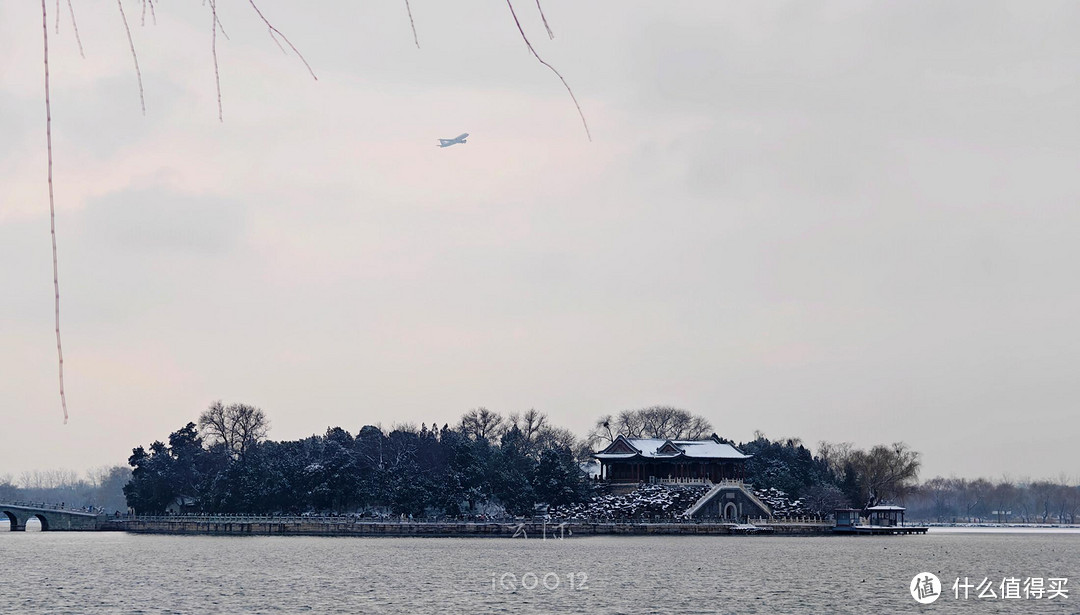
pixel 559 480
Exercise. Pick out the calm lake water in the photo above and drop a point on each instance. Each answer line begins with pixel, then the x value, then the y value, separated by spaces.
pixel 127 573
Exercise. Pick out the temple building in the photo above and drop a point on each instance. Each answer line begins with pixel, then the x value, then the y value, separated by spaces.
pixel 633 460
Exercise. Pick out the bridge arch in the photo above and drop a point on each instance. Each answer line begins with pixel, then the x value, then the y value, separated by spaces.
pixel 41 519
pixel 14 521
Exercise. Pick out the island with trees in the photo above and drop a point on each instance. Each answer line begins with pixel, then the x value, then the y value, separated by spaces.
pixel 487 465
pixel 511 467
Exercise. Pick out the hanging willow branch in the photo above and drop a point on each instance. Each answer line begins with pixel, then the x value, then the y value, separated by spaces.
pixel 213 51
pixel 134 56
pixel 551 35
pixel 75 27
pixel 557 74
pixel 412 24
pixel 52 208
pixel 274 32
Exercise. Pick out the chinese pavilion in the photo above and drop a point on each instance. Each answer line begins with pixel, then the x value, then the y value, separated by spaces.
pixel 628 460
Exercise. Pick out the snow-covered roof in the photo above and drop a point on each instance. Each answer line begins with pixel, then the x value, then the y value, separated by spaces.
pixel 885 507
pixel 656 448
pixel 709 448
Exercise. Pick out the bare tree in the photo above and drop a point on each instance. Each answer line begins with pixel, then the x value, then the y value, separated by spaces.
pixel 538 434
pixel 1071 503
pixel 32 480
pixel 631 424
pixel 47 479
pixel 602 432
pixel 236 427
pixel 482 423
pixel 1067 499
pixel 698 428
pixel 108 483
pixel 663 422
pixel 531 424
pixel 401 447
pixel 976 494
pixel 941 492
pixel 886 472
pixel 836 455
pixel 1039 498
pixel 1003 496
pixel 824 499
pixel 556 437
pixel 8 491
pixel 405 427
pixel 214 425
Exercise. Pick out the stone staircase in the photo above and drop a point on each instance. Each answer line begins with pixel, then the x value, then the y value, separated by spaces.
pixel 727 486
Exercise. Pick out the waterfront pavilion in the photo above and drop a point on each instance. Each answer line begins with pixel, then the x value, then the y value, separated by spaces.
pixel 633 460
pixel 886 515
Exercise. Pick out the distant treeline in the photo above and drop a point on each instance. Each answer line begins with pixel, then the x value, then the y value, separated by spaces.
pixel 101 488
pixel 224 464
pixel 958 500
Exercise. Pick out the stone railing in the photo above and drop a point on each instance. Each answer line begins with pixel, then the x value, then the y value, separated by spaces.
pixel 679 480
pixel 804 519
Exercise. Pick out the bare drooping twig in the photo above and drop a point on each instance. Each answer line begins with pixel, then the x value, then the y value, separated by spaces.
pixel 217 20
pixel 274 31
pixel 551 35
pixel 153 15
pixel 541 60
pixel 134 56
pixel 75 26
pixel 221 28
pixel 213 51
pixel 52 208
pixel 412 24
pixel 278 43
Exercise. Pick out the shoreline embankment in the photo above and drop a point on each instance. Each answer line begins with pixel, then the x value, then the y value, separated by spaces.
pixel 498 529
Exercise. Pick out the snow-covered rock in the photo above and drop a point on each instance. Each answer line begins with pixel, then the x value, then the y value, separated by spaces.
pixel 647 501
pixel 780 503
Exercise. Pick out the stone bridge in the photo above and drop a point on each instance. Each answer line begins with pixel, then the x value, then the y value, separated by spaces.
pixel 52 518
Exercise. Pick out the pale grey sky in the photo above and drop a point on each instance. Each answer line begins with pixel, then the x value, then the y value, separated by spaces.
pixel 852 221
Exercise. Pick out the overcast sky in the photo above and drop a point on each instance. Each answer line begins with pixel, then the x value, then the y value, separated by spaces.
pixel 844 221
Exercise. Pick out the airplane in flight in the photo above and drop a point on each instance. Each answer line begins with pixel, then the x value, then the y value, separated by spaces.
pixel 448 142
